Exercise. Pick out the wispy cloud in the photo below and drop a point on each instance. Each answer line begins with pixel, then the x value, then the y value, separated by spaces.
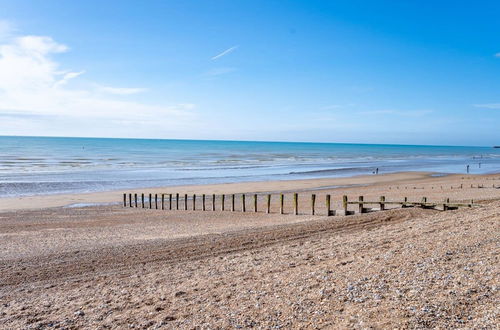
pixel 218 71
pixel 497 55
pixel 488 105
pixel 224 53
pixel 121 90
pixel 33 85
pixel 403 113
pixel 6 29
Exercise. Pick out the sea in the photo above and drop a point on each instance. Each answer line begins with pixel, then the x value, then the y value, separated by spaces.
pixel 55 165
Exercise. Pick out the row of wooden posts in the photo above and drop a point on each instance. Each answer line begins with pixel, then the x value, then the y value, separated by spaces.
pixel 452 187
pixel 169 198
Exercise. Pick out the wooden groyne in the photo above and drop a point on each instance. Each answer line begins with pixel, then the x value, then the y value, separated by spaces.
pixel 210 202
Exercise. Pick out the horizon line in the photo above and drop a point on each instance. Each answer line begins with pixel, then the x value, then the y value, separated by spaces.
pixel 231 140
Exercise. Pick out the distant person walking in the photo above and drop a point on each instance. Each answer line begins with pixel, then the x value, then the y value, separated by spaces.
pixel 376 171
pixel 467 169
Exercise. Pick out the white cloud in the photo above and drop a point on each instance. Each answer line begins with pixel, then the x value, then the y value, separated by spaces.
pixel 403 113
pixel 218 71
pixel 497 55
pixel 33 86
pixel 121 90
pixel 6 29
pixel 224 53
pixel 488 105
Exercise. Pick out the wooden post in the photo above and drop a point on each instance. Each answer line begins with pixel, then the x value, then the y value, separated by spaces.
pixel 213 202
pixel 232 202
pixel 223 201
pixel 130 200
pixel 344 204
pixel 445 205
pixel 404 203
pixel 313 202
pixel 150 201
pixel 177 201
pixel 328 203
pixel 282 211
pixel 255 202
pixel 162 201
pixel 124 200
pixel 185 202
pixel 142 199
pixel 194 202
pixel 156 201
pixel 169 201
pixel 243 206
pixel 268 203
pixel 382 203
pixel 203 202
pixel 295 203
pixel 361 208
pixel 135 199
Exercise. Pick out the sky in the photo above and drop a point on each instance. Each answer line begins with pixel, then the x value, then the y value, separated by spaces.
pixel 402 72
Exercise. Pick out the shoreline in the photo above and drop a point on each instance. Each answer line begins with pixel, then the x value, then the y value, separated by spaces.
pixel 108 197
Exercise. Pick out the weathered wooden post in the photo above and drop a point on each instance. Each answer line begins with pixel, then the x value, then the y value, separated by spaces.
pixel 169 201
pixel 360 204
pixel 382 203
pixel 156 201
pixel 185 202
pixel 203 202
pixel 282 211
pixel 124 200
pixel 213 202
pixel 295 203
pixel 268 210
pixel 223 201
pixel 403 205
pixel 142 200
pixel 344 204
pixel 424 201
pixel 130 200
pixel 194 202
pixel 445 205
pixel 177 201
pixel 232 202
pixel 162 201
pixel 328 205
pixel 313 202
pixel 243 206
pixel 135 200
pixel 150 201
pixel 255 202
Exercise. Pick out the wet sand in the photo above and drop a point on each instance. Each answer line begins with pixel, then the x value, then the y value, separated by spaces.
pixel 115 267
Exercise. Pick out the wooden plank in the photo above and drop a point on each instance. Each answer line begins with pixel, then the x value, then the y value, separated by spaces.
pixel 243 206
pixel 295 203
pixel 268 210
pixel 328 205
pixel 313 203
pixel 255 202
pixel 282 211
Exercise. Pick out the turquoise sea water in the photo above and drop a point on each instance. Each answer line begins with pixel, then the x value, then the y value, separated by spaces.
pixel 42 165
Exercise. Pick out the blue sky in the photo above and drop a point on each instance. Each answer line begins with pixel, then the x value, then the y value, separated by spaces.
pixel 423 72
